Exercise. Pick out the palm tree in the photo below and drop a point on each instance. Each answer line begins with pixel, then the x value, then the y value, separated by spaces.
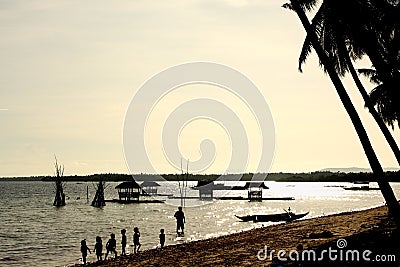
pixel 380 116
pixel 387 192
pixel 378 36
pixel 385 96
pixel 331 26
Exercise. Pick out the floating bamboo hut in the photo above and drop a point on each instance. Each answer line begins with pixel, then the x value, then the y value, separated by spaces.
pixel 206 191
pixel 149 188
pixel 128 191
pixel 255 190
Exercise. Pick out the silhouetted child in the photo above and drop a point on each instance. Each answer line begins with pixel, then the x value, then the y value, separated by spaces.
pixel 136 242
pixel 111 245
pixel 123 242
pixel 162 238
pixel 84 250
pixel 98 248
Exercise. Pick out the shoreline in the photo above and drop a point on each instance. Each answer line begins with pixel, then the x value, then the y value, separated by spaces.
pixel 368 228
pixel 334 175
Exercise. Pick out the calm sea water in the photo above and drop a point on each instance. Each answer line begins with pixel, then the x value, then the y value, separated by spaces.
pixel 34 233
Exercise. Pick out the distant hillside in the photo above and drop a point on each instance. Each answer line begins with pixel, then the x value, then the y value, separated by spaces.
pixel 355 170
pixel 346 170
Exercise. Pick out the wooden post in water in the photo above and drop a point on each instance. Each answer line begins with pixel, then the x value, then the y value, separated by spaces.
pixel 183 187
pixel 185 182
pixel 179 183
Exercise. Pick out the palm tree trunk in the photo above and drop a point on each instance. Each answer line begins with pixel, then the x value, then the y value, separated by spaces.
pixel 387 192
pixel 382 126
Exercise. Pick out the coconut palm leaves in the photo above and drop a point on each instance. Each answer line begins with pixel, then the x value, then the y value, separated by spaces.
pixel 376 33
pixel 386 98
pixel 386 95
pixel 330 41
pixel 344 37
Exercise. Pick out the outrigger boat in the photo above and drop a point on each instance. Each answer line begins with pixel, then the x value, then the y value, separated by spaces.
pixel 280 217
pixel 361 185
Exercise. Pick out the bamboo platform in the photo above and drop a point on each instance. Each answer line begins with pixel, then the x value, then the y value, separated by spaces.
pixel 234 198
pixel 135 201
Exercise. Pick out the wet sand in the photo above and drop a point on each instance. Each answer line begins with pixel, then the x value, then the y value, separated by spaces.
pixel 370 229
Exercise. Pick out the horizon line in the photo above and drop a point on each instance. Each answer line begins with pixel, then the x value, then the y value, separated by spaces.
pixel 332 170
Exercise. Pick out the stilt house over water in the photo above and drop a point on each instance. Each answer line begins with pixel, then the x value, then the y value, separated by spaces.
pixel 206 190
pixel 149 188
pixel 128 191
pixel 255 190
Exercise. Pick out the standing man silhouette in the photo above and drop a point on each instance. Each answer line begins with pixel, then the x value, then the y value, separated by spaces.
pixel 180 221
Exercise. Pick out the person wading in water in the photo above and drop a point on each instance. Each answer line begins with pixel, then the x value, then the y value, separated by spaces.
pixel 180 221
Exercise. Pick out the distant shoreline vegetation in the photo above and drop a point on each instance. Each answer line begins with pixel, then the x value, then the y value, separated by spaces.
pixel 319 176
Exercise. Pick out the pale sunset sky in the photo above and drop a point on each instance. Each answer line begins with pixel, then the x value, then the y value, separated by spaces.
pixel 69 69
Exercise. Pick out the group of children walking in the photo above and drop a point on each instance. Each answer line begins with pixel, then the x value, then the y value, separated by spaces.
pixel 111 245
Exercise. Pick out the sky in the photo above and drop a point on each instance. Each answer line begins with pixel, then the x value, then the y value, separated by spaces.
pixel 69 70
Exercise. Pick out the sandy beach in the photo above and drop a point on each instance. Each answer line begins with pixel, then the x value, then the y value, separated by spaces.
pixel 370 230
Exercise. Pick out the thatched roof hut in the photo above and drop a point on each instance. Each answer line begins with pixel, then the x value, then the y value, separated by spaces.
pixel 150 187
pixel 128 191
pixel 251 185
pixel 128 184
pixel 255 185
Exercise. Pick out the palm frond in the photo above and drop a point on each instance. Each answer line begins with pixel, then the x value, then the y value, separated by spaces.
pixel 306 50
pixel 371 74
pixel 307 5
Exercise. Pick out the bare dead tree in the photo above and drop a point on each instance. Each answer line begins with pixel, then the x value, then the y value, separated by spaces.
pixel 99 200
pixel 59 199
